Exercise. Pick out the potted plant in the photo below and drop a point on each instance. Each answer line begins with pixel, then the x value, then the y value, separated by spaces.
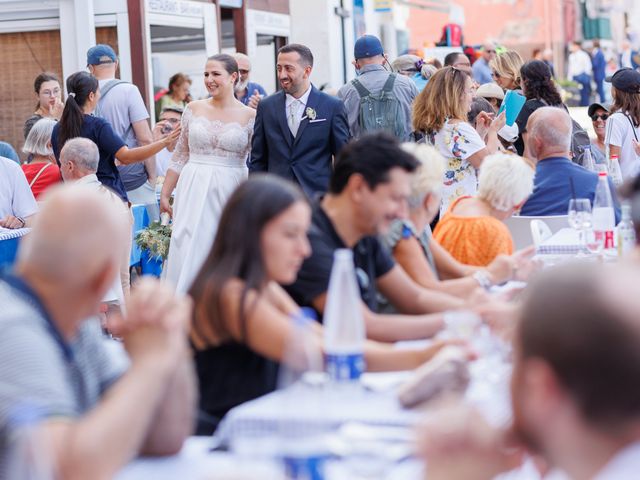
pixel 154 242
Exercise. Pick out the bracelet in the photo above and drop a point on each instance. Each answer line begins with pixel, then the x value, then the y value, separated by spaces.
pixel 22 221
pixel 483 279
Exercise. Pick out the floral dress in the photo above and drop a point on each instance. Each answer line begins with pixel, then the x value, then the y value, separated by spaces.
pixel 456 142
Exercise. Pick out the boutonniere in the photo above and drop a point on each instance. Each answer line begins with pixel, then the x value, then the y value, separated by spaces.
pixel 310 113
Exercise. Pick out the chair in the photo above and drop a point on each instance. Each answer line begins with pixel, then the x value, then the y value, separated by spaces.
pixel 520 228
pixel 540 232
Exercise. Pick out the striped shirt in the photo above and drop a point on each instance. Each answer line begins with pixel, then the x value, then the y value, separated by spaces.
pixel 41 375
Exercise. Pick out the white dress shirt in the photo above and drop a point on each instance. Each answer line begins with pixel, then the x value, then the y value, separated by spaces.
pixel 579 63
pixel 623 466
pixel 295 107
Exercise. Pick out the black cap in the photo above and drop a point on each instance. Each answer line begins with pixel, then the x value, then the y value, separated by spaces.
pixel 625 80
pixel 595 106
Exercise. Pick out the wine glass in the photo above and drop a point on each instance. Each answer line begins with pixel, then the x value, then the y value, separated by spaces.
pixel 580 218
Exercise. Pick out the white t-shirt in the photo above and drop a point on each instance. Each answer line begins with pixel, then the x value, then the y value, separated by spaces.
pixel 456 142
pixel 620 133
pixel 15 195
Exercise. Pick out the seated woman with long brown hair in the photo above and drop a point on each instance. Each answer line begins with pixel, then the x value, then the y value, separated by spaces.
pixel 242 317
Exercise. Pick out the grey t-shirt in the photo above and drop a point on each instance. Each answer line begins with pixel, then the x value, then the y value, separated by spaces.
pixel 121 107
pixel 42 376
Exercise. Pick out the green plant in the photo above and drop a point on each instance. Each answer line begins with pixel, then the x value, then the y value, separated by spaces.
pixel 568 84
pixel 156 239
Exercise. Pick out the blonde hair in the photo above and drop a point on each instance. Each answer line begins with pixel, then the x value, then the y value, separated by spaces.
pixel 428 177
pixel 505 181
pixel 507 64
pixel 441 99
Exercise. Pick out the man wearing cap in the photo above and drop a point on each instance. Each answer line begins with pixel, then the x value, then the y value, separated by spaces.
pixel 372 76
pixel 122 105
pixel 598 114
pixel 481 69
pixel 623 125
pixel 492 93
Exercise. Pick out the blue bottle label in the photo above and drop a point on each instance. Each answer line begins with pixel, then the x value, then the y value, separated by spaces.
pixel 344 367
pixel 305 468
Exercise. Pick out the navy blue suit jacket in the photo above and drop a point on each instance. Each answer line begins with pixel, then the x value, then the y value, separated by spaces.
pixel 552 188
pixel 307 158
pixel 599 64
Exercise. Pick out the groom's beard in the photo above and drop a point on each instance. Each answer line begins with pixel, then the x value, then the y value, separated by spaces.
pixel 241 86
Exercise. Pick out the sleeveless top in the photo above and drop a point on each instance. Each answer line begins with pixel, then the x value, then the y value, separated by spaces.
pixel 229 375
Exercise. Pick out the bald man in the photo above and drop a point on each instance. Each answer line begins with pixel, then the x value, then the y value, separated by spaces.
pixel 247 92
pixel 94 414
pixel 574 390
pixel 481 69
pixel 547 140
pixel 79 160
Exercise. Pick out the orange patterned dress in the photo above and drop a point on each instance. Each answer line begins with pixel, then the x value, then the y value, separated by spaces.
pixel 473 240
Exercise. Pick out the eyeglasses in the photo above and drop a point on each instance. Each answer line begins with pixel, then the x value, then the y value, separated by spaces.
pixel 243 71
pixel 602 116
pixel 50 93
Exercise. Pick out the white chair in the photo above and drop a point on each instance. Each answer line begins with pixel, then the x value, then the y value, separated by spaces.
pixel 520 228
pixel 540 232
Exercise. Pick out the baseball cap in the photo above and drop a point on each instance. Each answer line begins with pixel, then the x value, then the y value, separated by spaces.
pixel 490 90
pixel 626 80
pixel 407 63
pixel 595 106
pixel 367 46
pixel 100 54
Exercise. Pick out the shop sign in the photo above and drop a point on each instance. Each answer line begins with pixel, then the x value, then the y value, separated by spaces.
pixel 176 7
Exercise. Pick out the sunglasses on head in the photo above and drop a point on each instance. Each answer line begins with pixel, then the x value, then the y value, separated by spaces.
pixel 602 116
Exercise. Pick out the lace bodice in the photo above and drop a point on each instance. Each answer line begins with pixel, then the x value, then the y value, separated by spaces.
pixel 202 136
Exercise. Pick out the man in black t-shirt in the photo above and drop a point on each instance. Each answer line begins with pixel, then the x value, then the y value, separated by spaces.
pixel 367 191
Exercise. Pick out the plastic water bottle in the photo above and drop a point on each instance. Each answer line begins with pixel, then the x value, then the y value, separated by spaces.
pixel 587 160
pixel 604 219
pixel 626 232
pixel 614 170
pixel 344 331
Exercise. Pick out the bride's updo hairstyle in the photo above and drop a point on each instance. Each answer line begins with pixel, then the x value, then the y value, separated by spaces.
pixel 229 63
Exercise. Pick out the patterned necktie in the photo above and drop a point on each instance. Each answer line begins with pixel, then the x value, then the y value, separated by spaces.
pixel 294 120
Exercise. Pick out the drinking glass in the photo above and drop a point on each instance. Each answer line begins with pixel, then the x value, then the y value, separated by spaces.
pixel 580 218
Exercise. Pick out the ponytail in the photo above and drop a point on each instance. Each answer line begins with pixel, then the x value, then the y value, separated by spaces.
pixel 79 86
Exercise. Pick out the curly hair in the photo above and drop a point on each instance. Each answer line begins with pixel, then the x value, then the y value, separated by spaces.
pixel 537 82
pixel 440 100
pixel 507 64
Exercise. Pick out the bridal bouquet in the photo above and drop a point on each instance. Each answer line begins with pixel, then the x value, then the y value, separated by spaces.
pixel 155 238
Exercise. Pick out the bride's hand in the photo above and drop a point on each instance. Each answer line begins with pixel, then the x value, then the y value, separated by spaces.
pixel 165 206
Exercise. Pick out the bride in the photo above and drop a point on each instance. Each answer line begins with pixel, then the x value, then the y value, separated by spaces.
pixel 208 163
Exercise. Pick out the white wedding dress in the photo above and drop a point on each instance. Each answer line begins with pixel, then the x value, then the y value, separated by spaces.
pixel 210 157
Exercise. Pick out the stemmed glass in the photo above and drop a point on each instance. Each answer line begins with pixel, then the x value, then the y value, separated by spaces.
pixel 580 219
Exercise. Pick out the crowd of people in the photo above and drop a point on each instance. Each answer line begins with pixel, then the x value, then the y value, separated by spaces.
pixel 262 191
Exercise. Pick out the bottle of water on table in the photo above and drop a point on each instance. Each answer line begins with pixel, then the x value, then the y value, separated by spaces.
pixel 344 332
pixel 604 219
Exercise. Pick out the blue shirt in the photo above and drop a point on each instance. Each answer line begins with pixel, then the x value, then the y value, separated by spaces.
pixel 481 71
pixel 552 188
pixel 99 131
pixel 251 89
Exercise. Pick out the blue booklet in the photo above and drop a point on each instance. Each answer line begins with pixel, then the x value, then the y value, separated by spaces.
pixel 512 104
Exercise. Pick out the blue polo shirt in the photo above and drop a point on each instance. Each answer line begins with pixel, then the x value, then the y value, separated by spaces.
pixel 552 188
pixel 251 89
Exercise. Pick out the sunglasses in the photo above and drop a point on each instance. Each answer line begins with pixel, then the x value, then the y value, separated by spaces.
pixel 495 74
pixel 490 51
pixel 602 116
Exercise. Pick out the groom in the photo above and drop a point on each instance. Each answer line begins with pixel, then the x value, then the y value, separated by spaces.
pixel 299 129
